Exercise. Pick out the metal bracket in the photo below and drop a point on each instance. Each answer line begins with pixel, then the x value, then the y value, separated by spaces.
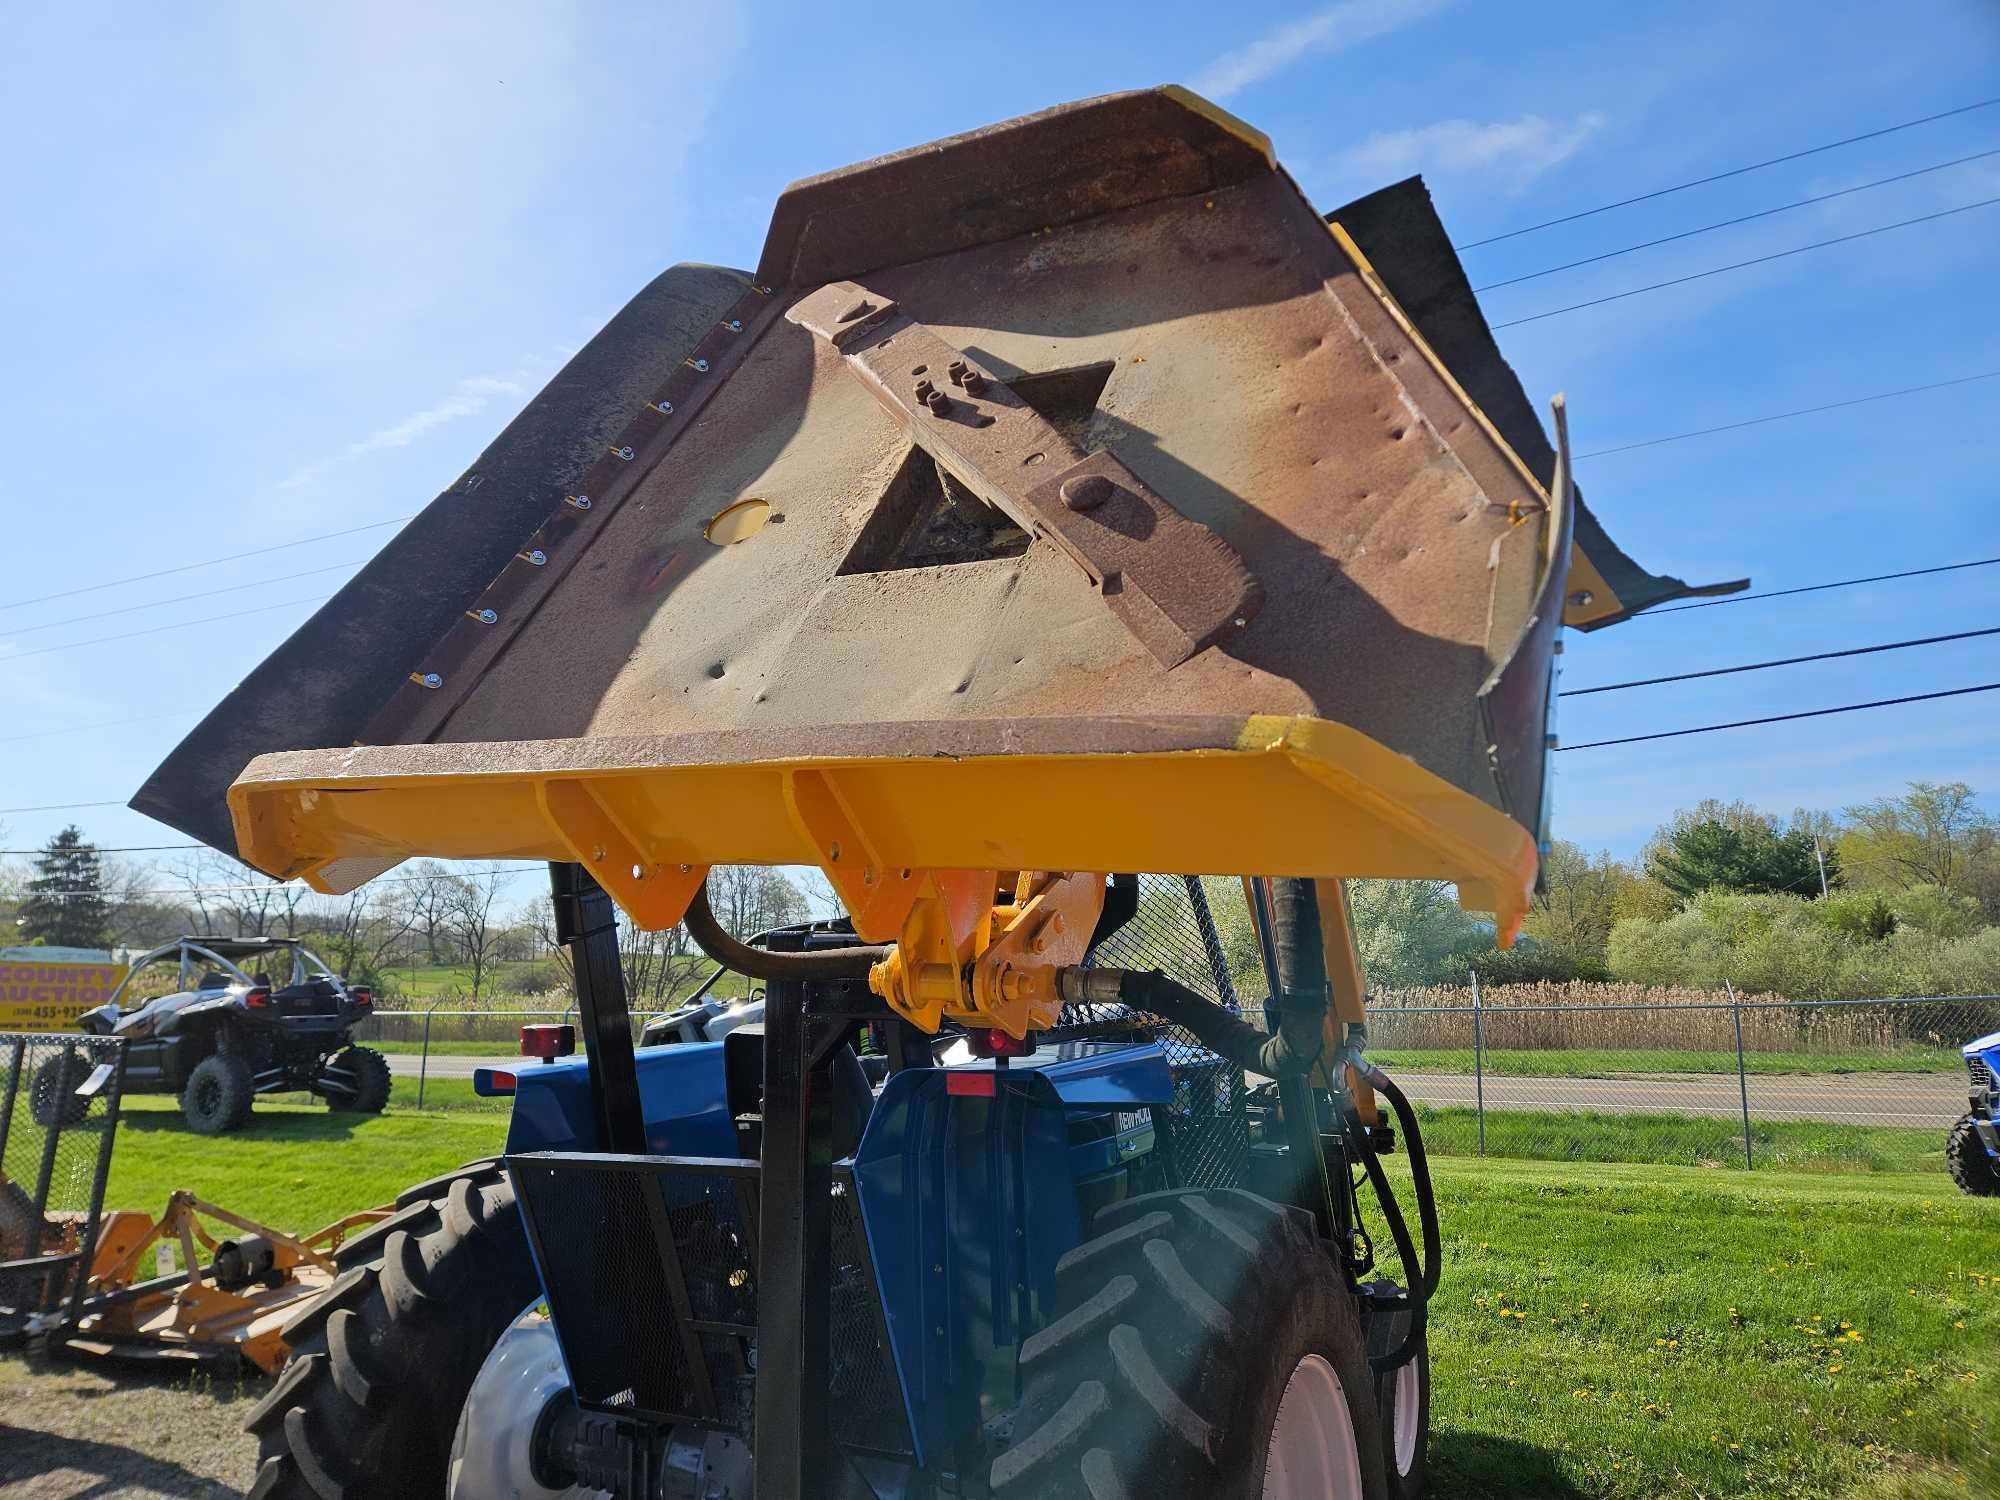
pixel 1174 583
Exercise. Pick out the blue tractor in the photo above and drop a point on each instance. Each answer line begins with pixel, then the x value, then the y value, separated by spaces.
pixel 1972 1146
pixel 1062 499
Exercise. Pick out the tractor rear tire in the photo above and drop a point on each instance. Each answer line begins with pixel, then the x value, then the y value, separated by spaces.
pixel 370 1070
pixel 1966 1159
pixel 52 1095
pixel 1180 1332
pixel 381 1362
pixel 218 1095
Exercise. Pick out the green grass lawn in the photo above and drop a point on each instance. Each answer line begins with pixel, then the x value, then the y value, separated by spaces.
pixel 1680 1140
pixel 1602 1331
pixel 1626 1331
pixel 1606 1062
pixel 300 1165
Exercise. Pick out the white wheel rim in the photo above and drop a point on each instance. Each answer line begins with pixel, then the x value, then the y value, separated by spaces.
pixel 490 1451
pixel 1409 1394
pixel 1313 1455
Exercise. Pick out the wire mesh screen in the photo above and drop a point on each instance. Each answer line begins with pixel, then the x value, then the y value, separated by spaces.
pixel 59 1098
pixel 1175 931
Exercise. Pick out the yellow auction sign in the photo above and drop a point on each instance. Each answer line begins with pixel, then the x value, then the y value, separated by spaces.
pixel 48 993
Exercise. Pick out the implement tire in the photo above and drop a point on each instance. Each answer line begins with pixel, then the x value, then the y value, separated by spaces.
pixel 370 1071
pixel 1182 1330
pixel 218 1095
pixel 1404 1395
pixel 1966 1159
pixel 382 1360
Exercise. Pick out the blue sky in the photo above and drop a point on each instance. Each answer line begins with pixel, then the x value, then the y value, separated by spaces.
pixel 278 270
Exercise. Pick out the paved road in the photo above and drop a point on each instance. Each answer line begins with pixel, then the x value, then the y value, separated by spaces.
pixel 1929 1100
pixel 1926 1100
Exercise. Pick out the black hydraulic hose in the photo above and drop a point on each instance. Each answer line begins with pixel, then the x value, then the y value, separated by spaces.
pixel 1420 1171
pixel 1214 1027
pixel 1302 1005
pixel 761 963
pixel 1423 1274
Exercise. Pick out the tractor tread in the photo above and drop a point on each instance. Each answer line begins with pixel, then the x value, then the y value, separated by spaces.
pixel 276 1400
pixel 1194 1299
pixel 1079 1322
pixel 347 1286
pixel 369 1403
pixel 326 1481
pixel 1143 1379
pixel 403 1272
pixel 1060 1433
pixel 1100 1476
pixel 1107 1246
pixel 1172 1335
pixel 437 1187
pixel 353 1372
pixel 367 1245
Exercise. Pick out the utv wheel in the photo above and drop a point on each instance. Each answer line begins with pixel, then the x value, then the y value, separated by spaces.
pixel 381 1363
pixel 218 1094
pixel 1203 1348
pixel 52 1095
pixel 367 1077
pixel 1966 1159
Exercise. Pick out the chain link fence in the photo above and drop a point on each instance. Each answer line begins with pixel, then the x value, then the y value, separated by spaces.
pixel 1526 1071
pixel 1749 1083
pixel 59 1099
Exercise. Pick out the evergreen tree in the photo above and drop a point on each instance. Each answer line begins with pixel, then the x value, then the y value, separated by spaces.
pixel 65 905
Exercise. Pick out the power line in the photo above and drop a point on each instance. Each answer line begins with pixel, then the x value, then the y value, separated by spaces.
pixel 133 635
pixel 61 807
pixel 304 541
pixel 234 588
pixel 1814 588
pixel 1756 166
pixel 1764 213
pixel 1811 713
pixel 43 734
pixel 1785 416
pixel 1862 234
pixel 1789 661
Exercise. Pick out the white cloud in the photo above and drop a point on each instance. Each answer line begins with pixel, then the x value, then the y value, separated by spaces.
pixel 468 398
pixel 1330 30
pixel 1512 153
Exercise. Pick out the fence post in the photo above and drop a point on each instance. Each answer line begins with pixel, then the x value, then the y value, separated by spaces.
pixel 1479 1059
pixel 424 1059
pixel 1742 1085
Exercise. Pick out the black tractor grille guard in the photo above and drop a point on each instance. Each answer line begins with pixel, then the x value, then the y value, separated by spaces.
pixel 55 1152
pixel 649 1264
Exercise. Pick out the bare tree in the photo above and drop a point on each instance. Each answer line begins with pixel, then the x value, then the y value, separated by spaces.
pixel 467 915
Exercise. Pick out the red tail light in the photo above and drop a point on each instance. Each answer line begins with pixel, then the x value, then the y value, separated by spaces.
pixel 360 994
pixel 996 1043
pixel 548 1042
pixel 258 998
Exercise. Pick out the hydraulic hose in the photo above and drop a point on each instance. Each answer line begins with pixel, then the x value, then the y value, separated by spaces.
pixel 1423 1274
pixel 1214 1027
pixel 762 963
pixel 1420 1171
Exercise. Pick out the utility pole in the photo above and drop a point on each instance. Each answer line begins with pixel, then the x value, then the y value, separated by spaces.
pixel 1822 866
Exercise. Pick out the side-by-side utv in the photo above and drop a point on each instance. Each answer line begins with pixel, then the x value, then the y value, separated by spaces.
pixel 1057 514
pixel 219 1020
